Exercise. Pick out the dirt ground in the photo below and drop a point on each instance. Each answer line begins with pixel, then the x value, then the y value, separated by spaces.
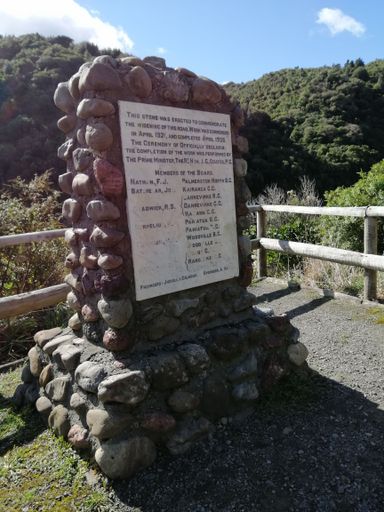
pixel 317 444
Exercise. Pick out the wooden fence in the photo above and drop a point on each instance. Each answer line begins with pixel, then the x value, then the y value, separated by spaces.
pixel 37 299
pixel 369 260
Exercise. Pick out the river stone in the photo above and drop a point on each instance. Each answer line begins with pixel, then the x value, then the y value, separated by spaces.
pixel 73 86
pixel 116 313
pixel 242 144
pixel 297 353
pixel 99 77
pixel 130 388
pixel 158 422
pixel 73 280
pixel 73 302
pixel 42 337
pixel 109 178
pixel 99 210
pixel 157 62
pixel 186 72
pixel 58 388
pixel 226 344
pixel 94 108
pixel 132 61
pixel 77 402
pixel 82 159
pixel 168 371
pixel 183 401
pixel 82 185
pixel 205 91
pixel 246 368
pixel 104 237
pixel 106 59
pixel 245 391
pixel 74 322
pixel 72 261
pixel 245 245
pixel 58 420
pixel 65 151
pixel 177 307
pixel 46 375
pixel 43 405
pixel 78 437
pixel 63 99
pixel 117 340
pixel 162 326
pixel 174 88
pixel 35 361
pixel 121 459
pixel 245 301
pixel 139 82
pixel 98 136
pixel 109 261
pixel 65 182
pixel 89 375
pixel 66 356
pixel 89 313
pixel 53 344
pixel 67 123
pixel 104 425
pixel 189 431
pixel 195 357
pixel 80 136
pixel 87 259
pixel 32 393
pixel 71 210
pixel 217 400
pixel 240 167
pixel 243 192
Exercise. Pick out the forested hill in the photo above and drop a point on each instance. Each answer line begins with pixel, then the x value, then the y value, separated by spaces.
pixel 326 123
pixel 30 68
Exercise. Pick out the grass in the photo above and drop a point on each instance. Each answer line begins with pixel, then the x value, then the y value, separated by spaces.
pixel 378 313
pixel 39 472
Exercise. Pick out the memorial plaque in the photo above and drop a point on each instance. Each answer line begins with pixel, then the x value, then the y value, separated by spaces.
pixel 180 197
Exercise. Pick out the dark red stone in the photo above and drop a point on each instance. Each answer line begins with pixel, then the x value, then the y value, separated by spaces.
pixel 158 422
pixel 246 273
pixel 117 341
pixel 278 323
pixel 109 178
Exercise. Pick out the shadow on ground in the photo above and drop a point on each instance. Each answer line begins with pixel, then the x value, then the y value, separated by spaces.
pixel 313 445
pixel 17 425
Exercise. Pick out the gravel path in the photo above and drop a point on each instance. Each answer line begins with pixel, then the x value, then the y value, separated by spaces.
pixel 316 445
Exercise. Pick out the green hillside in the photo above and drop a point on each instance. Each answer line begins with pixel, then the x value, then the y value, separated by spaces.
pixel 30 68
pixel 326 123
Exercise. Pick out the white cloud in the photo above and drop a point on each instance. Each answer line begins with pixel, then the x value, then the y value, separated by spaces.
pixel 64 17
pixel 336 21
pixel 161 50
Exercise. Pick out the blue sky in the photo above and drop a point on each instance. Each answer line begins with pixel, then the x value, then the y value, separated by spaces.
pixel 223 40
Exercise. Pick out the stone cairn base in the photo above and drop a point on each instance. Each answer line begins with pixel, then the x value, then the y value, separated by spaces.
pixel 118 408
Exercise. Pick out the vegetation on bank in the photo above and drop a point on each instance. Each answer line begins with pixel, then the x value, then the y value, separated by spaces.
pixel 326 123
pixel 39 471
pixel 31 66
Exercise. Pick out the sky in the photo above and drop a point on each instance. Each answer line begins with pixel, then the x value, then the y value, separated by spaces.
pixel 225 40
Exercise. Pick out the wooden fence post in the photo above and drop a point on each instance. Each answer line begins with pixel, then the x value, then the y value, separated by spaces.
pixel 261 226
pixel 370 247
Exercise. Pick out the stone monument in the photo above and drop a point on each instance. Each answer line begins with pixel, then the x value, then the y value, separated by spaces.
pixel 165 340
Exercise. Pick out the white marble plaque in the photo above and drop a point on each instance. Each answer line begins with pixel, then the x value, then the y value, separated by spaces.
pixel 180 197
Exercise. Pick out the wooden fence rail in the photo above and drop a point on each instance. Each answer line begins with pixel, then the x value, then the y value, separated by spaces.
pixel 369 260
pixel 32 301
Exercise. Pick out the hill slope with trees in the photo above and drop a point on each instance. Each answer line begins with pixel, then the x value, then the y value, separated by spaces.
pixel 30 68
pixel 326 123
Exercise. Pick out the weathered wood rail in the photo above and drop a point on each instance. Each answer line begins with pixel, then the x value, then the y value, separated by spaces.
pixel 369 260
pixel 37 299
